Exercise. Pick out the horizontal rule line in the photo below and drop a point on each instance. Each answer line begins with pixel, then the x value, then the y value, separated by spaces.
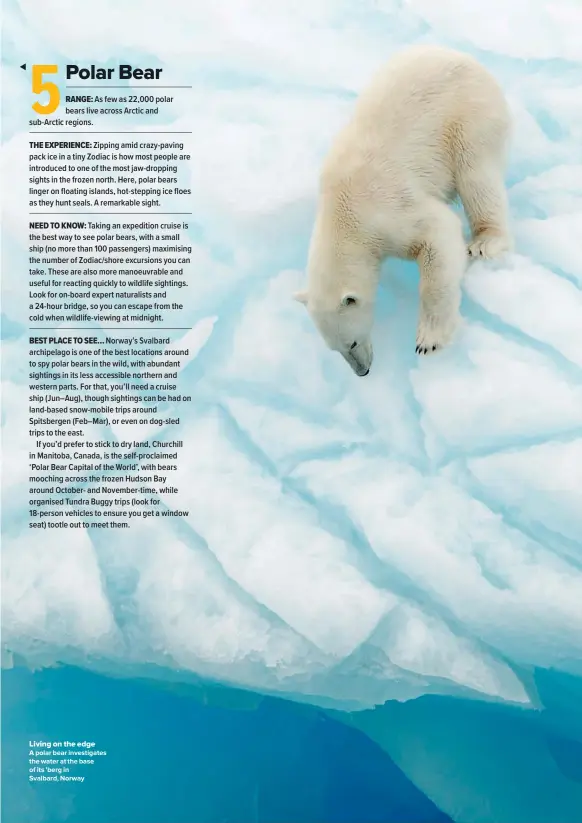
pixel 129 88
pixel 99 213
pixel 110 328
pixel 142 131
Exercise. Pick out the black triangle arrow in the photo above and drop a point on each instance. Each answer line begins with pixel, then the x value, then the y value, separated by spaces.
pixel 23 66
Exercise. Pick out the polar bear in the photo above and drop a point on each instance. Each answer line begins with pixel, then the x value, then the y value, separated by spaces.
pixel 432 125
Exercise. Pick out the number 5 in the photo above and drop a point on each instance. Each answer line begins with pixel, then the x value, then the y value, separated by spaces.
pixel 39 85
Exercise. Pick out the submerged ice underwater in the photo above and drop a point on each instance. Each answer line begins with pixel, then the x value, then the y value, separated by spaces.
pixel 400 555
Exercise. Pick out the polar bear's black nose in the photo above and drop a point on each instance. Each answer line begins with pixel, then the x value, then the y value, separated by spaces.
pixel 364 373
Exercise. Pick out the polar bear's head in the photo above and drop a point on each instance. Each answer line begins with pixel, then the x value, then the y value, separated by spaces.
pixel 345 323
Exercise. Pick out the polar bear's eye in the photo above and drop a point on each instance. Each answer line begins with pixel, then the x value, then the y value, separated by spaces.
pixel 353 346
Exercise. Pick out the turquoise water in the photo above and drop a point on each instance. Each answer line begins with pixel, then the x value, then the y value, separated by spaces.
pixel 173 759
pixel 209 754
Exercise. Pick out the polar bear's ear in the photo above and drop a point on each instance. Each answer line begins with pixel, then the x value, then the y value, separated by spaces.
pixel 349 300
pixel 301 297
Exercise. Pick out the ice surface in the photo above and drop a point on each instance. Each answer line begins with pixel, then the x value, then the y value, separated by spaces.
pixel 347 541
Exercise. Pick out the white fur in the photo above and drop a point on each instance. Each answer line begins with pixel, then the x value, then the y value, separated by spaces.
pixel 432 125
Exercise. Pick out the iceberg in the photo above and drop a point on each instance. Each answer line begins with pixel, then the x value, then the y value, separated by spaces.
pixel 403 551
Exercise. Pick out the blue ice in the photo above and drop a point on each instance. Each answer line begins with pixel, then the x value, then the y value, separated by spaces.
pixel 344 542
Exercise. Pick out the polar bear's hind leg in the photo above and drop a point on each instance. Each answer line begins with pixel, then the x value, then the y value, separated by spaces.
pixel 482 191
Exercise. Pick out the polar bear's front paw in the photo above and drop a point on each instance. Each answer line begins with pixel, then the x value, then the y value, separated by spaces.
pixel 434 333
pixel 489 245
